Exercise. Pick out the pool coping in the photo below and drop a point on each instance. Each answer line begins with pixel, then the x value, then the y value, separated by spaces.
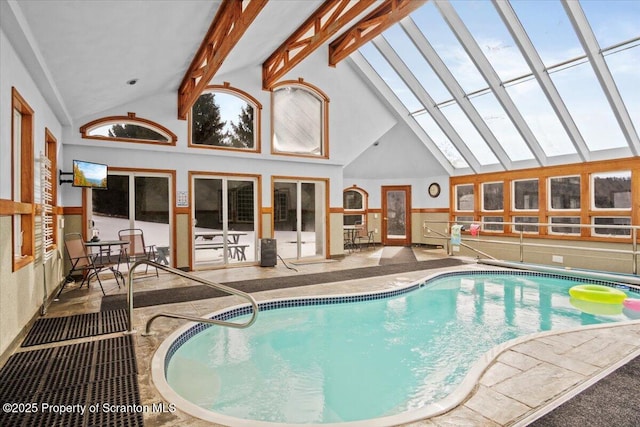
pixel 455 399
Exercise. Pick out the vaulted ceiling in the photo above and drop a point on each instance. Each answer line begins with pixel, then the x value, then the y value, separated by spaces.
pixel 484 85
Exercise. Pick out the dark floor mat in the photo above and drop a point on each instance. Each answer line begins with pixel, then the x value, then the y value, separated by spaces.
pixel 397 255
pixel 197 292
pixel 54 329
pixel 612 401
pixel 80 378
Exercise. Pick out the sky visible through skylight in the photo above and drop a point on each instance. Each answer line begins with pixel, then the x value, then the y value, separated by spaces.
pixel 559 115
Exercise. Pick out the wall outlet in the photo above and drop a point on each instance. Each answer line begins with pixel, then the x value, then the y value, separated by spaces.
pixel 557 258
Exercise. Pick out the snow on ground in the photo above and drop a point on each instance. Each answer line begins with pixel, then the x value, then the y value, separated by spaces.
pixel 159 235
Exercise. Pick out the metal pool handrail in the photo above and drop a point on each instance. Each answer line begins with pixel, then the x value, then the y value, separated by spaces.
pixel 181 273
pixel 478 251
pixel 521 243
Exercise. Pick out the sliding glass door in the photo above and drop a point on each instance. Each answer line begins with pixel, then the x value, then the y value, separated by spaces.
pixel 224 220
pixel 134 200
pixel 299 218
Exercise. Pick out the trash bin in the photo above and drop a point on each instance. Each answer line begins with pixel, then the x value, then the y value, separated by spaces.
pixel 268 253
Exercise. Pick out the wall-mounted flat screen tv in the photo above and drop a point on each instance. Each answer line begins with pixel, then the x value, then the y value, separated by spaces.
pixel 88 174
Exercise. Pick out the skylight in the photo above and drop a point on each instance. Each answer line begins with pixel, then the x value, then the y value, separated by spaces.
pixel 517 83
pixel 492 36
pixel 391 77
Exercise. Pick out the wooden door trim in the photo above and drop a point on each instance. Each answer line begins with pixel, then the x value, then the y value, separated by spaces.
pixel 407 190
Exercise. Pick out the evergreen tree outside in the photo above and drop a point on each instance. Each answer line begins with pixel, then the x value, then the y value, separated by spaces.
pixel 132 131
pixel 241 135
pixel 207 127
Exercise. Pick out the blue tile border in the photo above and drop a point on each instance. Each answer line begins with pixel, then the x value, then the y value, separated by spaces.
pixel 345 299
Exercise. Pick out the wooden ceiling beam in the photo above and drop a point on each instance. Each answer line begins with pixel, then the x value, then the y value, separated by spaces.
pixel 326 21
pixel 387 14
pixel 231 21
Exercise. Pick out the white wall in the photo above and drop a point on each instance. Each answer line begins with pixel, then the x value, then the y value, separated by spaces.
pixel 419 195
pixel 21 292
pixel 356 116
pixel 14 74
pixel 199 160
pixel 399 158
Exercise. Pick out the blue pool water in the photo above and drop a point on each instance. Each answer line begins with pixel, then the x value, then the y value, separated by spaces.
pixel 357 361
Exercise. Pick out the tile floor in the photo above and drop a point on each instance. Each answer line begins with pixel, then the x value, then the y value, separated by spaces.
pixel 513 385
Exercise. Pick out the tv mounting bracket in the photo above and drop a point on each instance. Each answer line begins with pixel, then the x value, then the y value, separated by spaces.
pixel 65 181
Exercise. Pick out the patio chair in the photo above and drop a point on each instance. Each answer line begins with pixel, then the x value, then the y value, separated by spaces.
pixel 136 249
pixel 81 261
pixel 363 236
pixel 349 240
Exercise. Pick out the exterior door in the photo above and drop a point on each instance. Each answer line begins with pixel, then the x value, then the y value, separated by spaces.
pixel 133 200
pixel 224 220
pixel 396 215
pixel 299 218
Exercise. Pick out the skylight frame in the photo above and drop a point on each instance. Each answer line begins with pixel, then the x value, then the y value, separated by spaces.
pixel 594 53
pixel 532 57
pixel 426 101
pixel 583 49
pixel 453 86
pixel 365 68
pixel 486 69
pixel 593 117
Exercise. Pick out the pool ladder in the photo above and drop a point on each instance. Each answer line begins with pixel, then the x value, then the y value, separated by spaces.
pixel 205 282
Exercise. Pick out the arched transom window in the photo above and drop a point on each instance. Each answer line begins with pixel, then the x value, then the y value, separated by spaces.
pixel 225 117
pixel 128 128
pixel 299 117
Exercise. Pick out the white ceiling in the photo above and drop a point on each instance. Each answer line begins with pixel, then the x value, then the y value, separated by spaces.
pixel 92 48
pixel 88 50
pixel 275 23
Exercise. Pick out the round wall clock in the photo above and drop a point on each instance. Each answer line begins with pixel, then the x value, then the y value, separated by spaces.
pixel 434 189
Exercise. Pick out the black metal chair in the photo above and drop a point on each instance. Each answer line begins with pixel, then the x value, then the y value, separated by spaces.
pixel 81 260
pixel 136 249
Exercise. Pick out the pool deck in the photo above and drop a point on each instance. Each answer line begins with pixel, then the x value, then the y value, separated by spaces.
pixel 514 384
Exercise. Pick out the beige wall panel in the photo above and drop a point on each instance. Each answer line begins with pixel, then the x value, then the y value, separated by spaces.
pixel 267 231
pixel 22 292
pixel 336 238
pixel 374 223
pixel 182 240
pixel 573 254
pixel 421 235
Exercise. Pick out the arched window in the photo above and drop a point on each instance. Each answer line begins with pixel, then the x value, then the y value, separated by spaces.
pixel 128 128
pixel 300 113
pixel 355 205
pixel 225 117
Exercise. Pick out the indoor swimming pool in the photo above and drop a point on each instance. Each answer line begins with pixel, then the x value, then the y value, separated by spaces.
pixel 374 358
